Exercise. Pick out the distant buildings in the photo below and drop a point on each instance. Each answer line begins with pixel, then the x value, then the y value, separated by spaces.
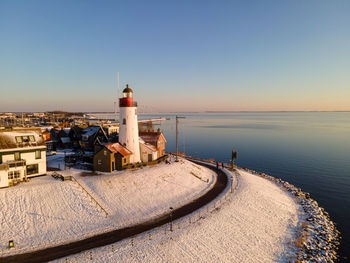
pixel 22 155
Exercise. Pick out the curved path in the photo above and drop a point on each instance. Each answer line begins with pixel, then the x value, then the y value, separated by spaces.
pixel 110 237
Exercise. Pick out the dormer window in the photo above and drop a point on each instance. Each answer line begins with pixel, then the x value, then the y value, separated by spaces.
pixel 26 138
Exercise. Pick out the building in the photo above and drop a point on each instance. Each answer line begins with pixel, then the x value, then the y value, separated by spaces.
pixel 148 151
pixel 132 147
pixel 111 157
pixel 22 155
pixel 91 136
pixel 128 125
pixel 155 139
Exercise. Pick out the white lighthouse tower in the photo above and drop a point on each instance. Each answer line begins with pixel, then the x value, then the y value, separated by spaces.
pixel 128 125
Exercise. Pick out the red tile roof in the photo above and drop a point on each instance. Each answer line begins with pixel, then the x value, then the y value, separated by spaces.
pixel 151 136
pixel 116 147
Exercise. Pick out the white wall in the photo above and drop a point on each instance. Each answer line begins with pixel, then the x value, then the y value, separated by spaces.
pixel 3 178
pixel 129 132
pixel 29 157
pixel 144 151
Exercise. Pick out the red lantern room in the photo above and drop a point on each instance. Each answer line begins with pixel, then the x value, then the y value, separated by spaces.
pixel 126 100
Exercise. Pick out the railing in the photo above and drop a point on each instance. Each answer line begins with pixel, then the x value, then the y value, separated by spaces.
pixel 137 165
pixel 88 194
pixel 16 163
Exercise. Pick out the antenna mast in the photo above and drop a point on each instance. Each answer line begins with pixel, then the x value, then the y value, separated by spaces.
pixel 115 103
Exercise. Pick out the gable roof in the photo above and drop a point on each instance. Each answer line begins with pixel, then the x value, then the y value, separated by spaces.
pixel 91 130
pixel 117 147
pixel 151 137
pixel 149 146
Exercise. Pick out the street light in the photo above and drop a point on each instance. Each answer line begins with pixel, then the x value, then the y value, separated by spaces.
pixel 171 219
pixel 234 156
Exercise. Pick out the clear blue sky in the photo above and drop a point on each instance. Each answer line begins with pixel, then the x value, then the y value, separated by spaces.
pixel 177 55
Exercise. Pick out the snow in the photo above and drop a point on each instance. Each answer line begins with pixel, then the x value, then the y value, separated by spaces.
pixel 254 224
pixel 47 212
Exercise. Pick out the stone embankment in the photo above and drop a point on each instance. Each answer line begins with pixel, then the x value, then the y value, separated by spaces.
pixel 317 238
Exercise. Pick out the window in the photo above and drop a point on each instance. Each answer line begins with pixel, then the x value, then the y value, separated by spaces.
pixel 105 152
pixel 31 138
pixel 0 158
pixel 19 139
pixel 32 169
pixel 17 156
pixel 16 174
pixel 25 138
pixel 124 121
pixel 99 162
pixel 135 112
pixel 37 154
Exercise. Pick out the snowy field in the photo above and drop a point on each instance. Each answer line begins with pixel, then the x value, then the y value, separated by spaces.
pixel 46 212
pixel 254 224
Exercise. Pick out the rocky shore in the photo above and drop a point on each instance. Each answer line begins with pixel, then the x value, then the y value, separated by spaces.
pixel 317 238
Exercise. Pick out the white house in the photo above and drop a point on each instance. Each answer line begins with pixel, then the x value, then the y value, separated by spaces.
pixel 147 151
pixel 22 155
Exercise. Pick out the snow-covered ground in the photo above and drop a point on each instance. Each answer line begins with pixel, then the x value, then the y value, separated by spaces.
pixel 254 224
pixel 45 212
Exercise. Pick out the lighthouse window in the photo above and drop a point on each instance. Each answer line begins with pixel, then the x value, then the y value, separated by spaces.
pixel 124 121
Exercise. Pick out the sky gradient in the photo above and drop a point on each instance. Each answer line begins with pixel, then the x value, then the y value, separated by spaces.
pixel 177 55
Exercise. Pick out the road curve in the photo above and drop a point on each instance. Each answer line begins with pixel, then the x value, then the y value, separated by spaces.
pixel 113 236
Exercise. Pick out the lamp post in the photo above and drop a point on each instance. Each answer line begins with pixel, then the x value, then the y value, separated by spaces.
pixel 171 219
pixel 234 156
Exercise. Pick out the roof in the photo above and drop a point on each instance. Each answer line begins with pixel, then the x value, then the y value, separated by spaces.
pixel 151 136
pixel 117 147
pixel 127 89
pixel 91 130
pixel 149 146
pixel 21 138
pixel 65 139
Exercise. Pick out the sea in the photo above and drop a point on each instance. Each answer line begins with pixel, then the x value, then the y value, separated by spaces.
pixel 308 149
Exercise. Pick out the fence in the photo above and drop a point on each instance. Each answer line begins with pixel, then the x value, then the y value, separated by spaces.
pixel 71 178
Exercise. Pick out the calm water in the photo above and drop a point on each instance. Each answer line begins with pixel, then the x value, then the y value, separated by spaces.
pixel 309 150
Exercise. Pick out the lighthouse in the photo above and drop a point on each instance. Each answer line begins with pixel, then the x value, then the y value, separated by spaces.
pixel 128 125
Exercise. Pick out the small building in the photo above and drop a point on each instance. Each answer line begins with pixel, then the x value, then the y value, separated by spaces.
pixel 22 155
pixel 111 157
pixel 156 139
pixel 60 138
pixel 91 136
pixel 148 152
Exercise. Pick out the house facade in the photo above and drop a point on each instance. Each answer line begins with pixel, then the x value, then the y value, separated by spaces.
pixel 111 157
pixel 148 152
pixel 22 155
pixel 156 139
